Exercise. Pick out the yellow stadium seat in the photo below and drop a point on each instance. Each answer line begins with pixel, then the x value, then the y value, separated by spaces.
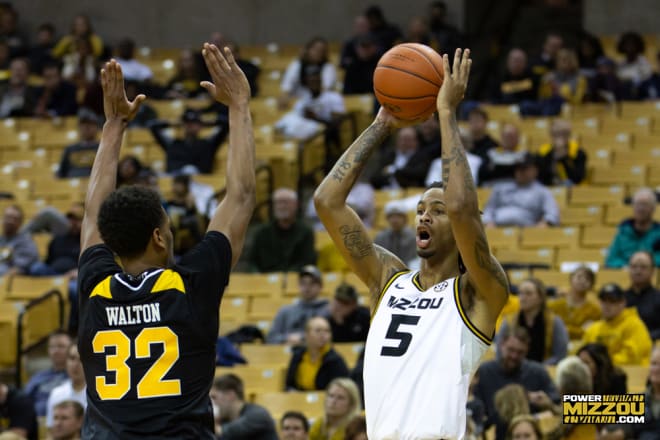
pixel 503 238
pixel 266 354
pixel 309 403
pixel 350 351
pixel 597 195
pixel 618 276
pixel 616 214
pixel 636 158
pixel 550 277
pixel 249 284
pixel 42 240
pixel 654 176
pixel 536 238
pixel 330 282
pixel 526 257
pixel 581 255
pixel 597 236
pixel 619 175
pixel 8 321
pixel 560 194
pixel 256 379
pixel 592 142
pixel 234 309
pixel 23 287
pixel 637 377
pixel 581 215
pixel 647 142
pixel 516 276
pixel 266 307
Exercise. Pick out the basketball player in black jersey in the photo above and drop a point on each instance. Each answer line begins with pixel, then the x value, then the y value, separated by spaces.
pixel 147 326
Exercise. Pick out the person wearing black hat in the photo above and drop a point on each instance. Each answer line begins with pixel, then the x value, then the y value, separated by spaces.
pixel 77 159
pixel 522 202
pixel 191 152
pixel 620 329
pixel 289 323
pixel 349 321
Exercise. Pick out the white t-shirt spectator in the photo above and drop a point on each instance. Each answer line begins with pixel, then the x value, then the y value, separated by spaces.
pixel 60 394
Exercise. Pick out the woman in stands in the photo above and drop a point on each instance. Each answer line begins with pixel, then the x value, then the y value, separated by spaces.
pixel 608 379
pixel 342 404
pixel 575 307
pixel 314 55
pixel 524 427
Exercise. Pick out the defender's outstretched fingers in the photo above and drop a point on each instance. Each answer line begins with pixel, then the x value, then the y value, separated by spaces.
pixel 211 60
pixel 221 58
pixel 229 56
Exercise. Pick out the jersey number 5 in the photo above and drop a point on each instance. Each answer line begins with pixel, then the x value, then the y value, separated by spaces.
pixel 403 337
pixel 152 383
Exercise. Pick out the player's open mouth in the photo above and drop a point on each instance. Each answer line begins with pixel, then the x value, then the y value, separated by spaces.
pixel 423 238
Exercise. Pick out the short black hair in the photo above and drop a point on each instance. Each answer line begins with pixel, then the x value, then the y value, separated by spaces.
pixel 435 184
pixel 631 37
pixel 296 415
pixel 127 219
pixel 230 382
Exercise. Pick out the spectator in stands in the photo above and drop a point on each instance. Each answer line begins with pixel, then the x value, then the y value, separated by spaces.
pixel 398 237
pixel 474 161
pixel 17 249
pixel 192 151
pixel 286 243
pixel 42 383
pixel 650 89
pixel 74 388
pixel 403 166
pixel 524 427
pixel 342 405
pixel 605 86
pixel 447 37
pixel 67 420
pixel 356 429
pixel 651 427
pixel 81 27
pixel 238 419
pixel 17 413
pixel 289 323
pixel 517 85
pixel 386 34
pixel 359 58
pixel 314 56
pixel 418 32
pixel 128 170
pixel 41 52
pixel 314 365
pixel 185 220
pixel 17 97
pixel 77 158
pixel 642 294
pixel 361 199
pixel 81 66
pixel 476 411
pixel 635 68
pixel 348 320
pixel 132 69
pixel 638 233
pixel 56 97
pixel 575 307
pixel 621 330
pixel 589 50
pixel 186 81
pixel 145 114
pixel 563 84
pixel 523 202
pixel 606 378
pixel 548 335
pixel 499 163
pixel 546 61
pixel 294 426
pixel 4 59
pixel 9 32
pixel 510 401
pixel 429 136
pixel 562 162
pixel 482 143
pixel 512 367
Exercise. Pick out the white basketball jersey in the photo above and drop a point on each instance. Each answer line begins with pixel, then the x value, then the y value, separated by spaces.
pixel 420 355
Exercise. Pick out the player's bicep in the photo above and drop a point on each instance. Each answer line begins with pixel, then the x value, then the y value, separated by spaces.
pixel 484 272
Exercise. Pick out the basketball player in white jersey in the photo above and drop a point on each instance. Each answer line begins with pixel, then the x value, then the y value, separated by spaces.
pixel 430 327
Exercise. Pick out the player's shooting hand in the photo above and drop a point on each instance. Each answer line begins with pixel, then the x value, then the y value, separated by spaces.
pixel 229 86
pixel 455 81
pixel 115 103
pixel 392 121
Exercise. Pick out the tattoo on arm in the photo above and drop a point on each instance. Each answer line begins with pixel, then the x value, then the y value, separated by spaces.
pixel 339 170
pixel 390 265
pixel 487 262
pixel 355 241
pixel 364 146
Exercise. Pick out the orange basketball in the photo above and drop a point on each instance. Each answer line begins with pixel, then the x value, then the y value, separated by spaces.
pixel 407 80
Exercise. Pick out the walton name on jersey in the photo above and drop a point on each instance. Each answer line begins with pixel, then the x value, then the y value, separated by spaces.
pixel 133 314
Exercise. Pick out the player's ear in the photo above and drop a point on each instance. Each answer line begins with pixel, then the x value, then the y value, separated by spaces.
pixel 158 238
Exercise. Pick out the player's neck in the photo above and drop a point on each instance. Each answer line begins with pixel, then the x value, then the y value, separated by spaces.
pixel 433 270
pixel 136 266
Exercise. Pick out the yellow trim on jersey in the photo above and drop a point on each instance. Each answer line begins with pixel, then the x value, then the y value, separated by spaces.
pixel 387 285
pixel 415 281
pixel 464 317
pixel 103 288
pixel 168 280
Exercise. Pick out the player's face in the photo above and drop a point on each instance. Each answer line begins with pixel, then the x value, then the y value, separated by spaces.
pixel 513 352
pixel 57 349
pixel 589 362
pixel 524 431
pixel 433 227
pixel 65 423
pixel 337 402
pixel 530 298
pixel 293 429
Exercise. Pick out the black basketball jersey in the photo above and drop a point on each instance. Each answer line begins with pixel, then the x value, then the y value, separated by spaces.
pixel 147 343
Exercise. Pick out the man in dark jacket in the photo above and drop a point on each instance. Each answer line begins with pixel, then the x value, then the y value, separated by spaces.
pixel 404 166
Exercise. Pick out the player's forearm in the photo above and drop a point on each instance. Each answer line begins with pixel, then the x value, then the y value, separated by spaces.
pixel 335 187
pixel 241 181
pixel 103 178
pixel 460 192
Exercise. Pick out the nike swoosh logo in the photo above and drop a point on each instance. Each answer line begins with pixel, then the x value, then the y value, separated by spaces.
pixel 398 287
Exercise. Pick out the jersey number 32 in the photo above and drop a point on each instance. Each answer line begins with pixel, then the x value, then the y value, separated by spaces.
pixel 152 383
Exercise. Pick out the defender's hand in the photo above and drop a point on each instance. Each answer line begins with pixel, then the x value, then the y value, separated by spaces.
pixel 229 86
pixel 115 103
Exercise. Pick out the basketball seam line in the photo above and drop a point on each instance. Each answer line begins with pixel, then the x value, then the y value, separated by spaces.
pixel 408 72
pixel 405 99
pixel 426 57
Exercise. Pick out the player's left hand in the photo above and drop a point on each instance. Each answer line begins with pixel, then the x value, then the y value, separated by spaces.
pixel 115 103
pixel 455 81
pixel 229 86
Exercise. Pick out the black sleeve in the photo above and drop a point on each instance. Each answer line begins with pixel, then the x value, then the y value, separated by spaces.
pixel 209 264
pixel 576 169
pixel 255 420
pixel 95 264
pixel 290 382
pixel 63 169
pixel 21 412
pixel 156 128
pixel 332 368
